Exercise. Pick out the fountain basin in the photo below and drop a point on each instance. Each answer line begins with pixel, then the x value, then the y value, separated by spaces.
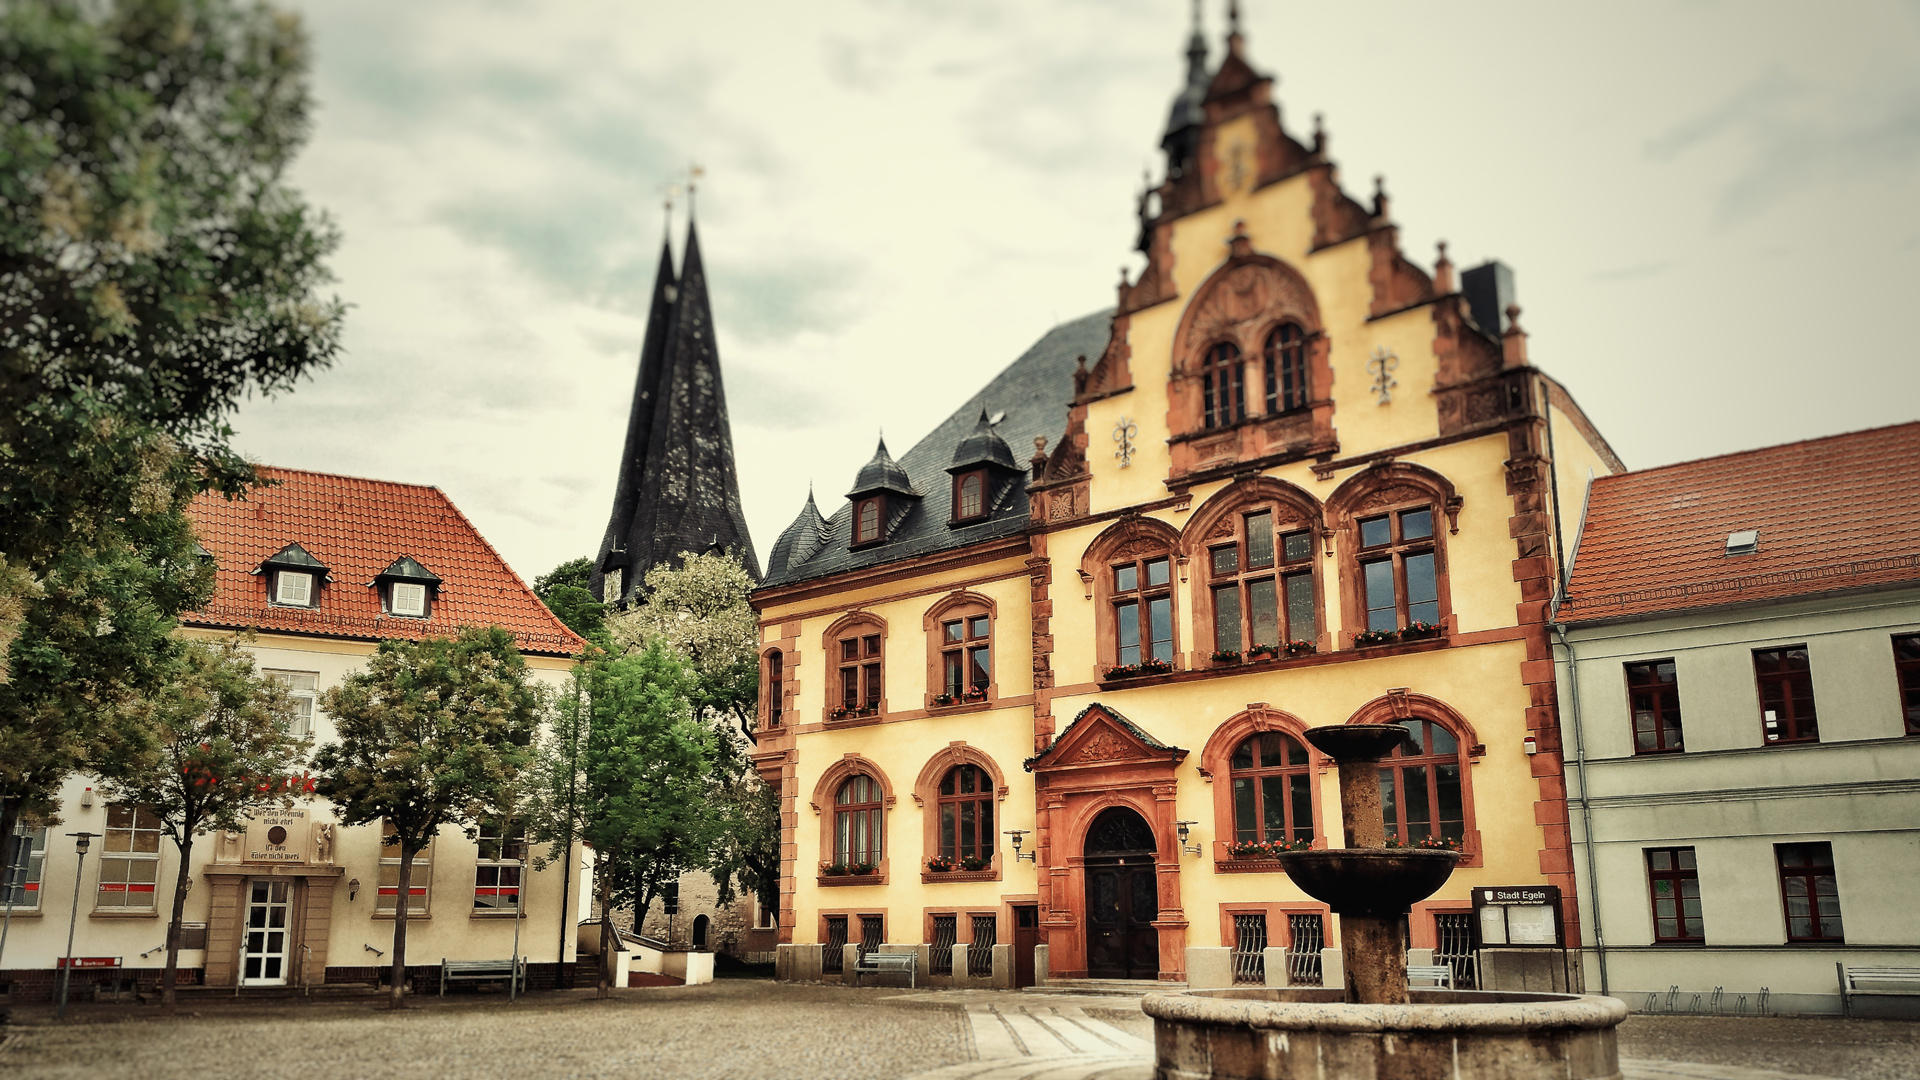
pixel 1311 1034
pixel 1369 881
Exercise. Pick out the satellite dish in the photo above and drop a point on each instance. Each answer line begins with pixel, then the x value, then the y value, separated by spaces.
pixel 994 420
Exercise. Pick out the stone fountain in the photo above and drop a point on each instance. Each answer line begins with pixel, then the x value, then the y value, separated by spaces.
pixel 1378 1029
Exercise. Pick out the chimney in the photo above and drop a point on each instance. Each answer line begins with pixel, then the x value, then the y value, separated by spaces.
pixel 1489 292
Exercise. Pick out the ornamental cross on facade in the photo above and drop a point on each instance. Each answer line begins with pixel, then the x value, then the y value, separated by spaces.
pixel 1381 366
pixel 1124 433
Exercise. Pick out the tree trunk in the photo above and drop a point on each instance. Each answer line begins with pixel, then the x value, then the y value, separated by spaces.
pixel 182 881
pixel 607 966
pixel 401 902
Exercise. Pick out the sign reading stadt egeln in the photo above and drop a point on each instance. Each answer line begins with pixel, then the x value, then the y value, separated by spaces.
pixel 1531 894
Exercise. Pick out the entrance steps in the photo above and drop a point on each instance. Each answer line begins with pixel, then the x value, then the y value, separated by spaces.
pixel 1109 987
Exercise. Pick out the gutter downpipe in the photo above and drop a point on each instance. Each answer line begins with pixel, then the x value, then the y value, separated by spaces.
pixel 1573 693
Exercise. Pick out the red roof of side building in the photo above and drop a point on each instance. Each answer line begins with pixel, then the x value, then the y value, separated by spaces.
pixel 357 529
pixel 1841 512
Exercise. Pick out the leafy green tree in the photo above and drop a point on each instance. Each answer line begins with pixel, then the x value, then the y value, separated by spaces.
pixel 700 610
pixel 154 270
pixel 433 733
pixel 644 771
pixel 565 593
pixel 221 747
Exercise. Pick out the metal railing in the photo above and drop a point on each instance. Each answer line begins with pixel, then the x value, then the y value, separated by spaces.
pixel 833 950
pixel 945 931
pixel 1249 939
pixel 980 953
pixel 1454 933
pixel 1307 936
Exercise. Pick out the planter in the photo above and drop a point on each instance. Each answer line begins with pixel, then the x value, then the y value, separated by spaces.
pixel 933 877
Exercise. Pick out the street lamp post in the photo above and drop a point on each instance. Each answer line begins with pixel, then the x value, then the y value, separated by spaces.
pixel 81 842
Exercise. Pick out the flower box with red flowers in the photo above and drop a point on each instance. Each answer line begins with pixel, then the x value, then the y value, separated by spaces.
pixel 1427 843
pixel 1302 648
pixel 1367 638
pixel 1226 656
pixel 1265 849
pixel 1420 631
pixel 1140 670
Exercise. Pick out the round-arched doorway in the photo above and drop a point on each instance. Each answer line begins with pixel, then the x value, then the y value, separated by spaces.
pixel 701 925
pixel 1123 897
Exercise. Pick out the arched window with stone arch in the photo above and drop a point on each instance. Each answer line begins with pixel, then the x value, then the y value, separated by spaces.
pixel 1257 546
pixel 1223 386
pixel 1130 570
pixel 959 791
pixel 855 647
pixel 1392 522
pixel 852 798
pixel 960 648
pixel 1286 368
pixel 1426 782
pixel 1263 771
pixel 773 694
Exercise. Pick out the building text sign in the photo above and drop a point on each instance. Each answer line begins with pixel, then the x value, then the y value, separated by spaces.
pixel 278 835
pixel 1523 915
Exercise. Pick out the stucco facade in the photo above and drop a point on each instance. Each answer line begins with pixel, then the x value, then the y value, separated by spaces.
pixel 1123 678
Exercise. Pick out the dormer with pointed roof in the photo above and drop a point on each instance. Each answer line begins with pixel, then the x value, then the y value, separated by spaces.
pixel 798 541
pixel 983 471
pixel 883 495
pixel 678 488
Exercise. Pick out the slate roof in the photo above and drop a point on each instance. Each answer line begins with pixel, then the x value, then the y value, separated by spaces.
pixel 359 529
pixel 677 489
pixel 1034 391
pixel 1841 512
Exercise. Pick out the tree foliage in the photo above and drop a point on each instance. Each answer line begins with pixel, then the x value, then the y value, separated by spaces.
pixel 699 610
pixel 432 734
pixel 219 747
pixel 565 593
pixel 154 270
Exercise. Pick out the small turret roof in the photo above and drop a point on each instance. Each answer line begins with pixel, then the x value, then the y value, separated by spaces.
pixel 881 474
pixel 983 446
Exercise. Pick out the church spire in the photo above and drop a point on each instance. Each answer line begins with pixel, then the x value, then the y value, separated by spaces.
pixel 678 489
pixel 1182 138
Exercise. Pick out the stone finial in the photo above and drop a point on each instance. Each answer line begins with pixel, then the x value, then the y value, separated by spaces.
pixel 1319 135
pixel 1240 244
pixel 1380 202
pixel 1442 272
pixel 1080 371
pixel 1039 462
pixel 1513 343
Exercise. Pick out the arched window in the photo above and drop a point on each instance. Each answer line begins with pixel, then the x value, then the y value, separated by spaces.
pixel 966 814
pixel 866 519
pixel 1286 368
pixel 969 495
pixel 1399 579
pixel 1221 386
pixel 1272 790
pixel 1420 785
pixel 857 807
pixel 966 655
pixel 776 692
pixel 1262 589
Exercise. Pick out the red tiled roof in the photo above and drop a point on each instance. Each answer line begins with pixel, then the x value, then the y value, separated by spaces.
pixel 1841 512
pixel 357 528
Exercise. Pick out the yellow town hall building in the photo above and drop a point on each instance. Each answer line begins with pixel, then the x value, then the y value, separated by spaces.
pixel 1033 697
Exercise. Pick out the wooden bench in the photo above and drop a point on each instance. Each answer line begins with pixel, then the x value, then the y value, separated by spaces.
pixel 1438 975
pixel 482 971
pixel 1870 981
pixel 875 963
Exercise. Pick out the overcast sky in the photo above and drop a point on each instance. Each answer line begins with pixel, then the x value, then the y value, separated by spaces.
pixel 1712 208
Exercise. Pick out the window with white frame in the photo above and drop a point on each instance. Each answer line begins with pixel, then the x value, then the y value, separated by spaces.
pixel 129 860
pixel 293 588
pixel 23 883
pixel 419 883
pixel 303 687
pixel 498 874
pixel 407 598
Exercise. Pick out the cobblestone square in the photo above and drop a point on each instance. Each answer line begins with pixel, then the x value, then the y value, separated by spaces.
pixel 740 1028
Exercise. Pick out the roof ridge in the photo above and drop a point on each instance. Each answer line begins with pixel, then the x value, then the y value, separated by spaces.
pixel 343 476
pixel 508 567
pixel 1631 473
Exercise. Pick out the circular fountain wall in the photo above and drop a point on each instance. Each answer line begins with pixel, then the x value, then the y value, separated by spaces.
pixel 1311 1034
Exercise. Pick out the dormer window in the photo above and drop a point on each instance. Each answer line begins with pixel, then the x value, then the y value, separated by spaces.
pixel 407 589
pixel 612 585
pixel 970 495
pixel 294 577
pixel 293 588
pixel 869 517
pixel 409 598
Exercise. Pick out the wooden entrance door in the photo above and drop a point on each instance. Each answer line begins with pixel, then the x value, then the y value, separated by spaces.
pixel 1123 897
pixel 1026 936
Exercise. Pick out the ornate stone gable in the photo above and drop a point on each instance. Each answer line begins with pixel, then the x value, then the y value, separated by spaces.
pixel 1099 736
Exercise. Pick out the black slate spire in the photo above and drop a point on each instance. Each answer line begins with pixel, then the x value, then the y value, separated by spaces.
pixel 1184 120
pixel 678 489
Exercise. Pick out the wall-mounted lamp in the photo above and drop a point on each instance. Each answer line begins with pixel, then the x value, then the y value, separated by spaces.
pixel 1186 827
pixel 353 887
pixel 1019 836
pixel 86 799
pixel 1530 745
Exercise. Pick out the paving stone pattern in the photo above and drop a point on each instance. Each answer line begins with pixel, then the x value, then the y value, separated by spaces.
pixel 739 1028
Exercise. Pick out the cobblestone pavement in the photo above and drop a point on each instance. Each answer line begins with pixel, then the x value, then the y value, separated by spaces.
pixel 795 1032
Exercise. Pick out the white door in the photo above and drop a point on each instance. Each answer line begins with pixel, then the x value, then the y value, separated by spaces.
pixel 263 958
